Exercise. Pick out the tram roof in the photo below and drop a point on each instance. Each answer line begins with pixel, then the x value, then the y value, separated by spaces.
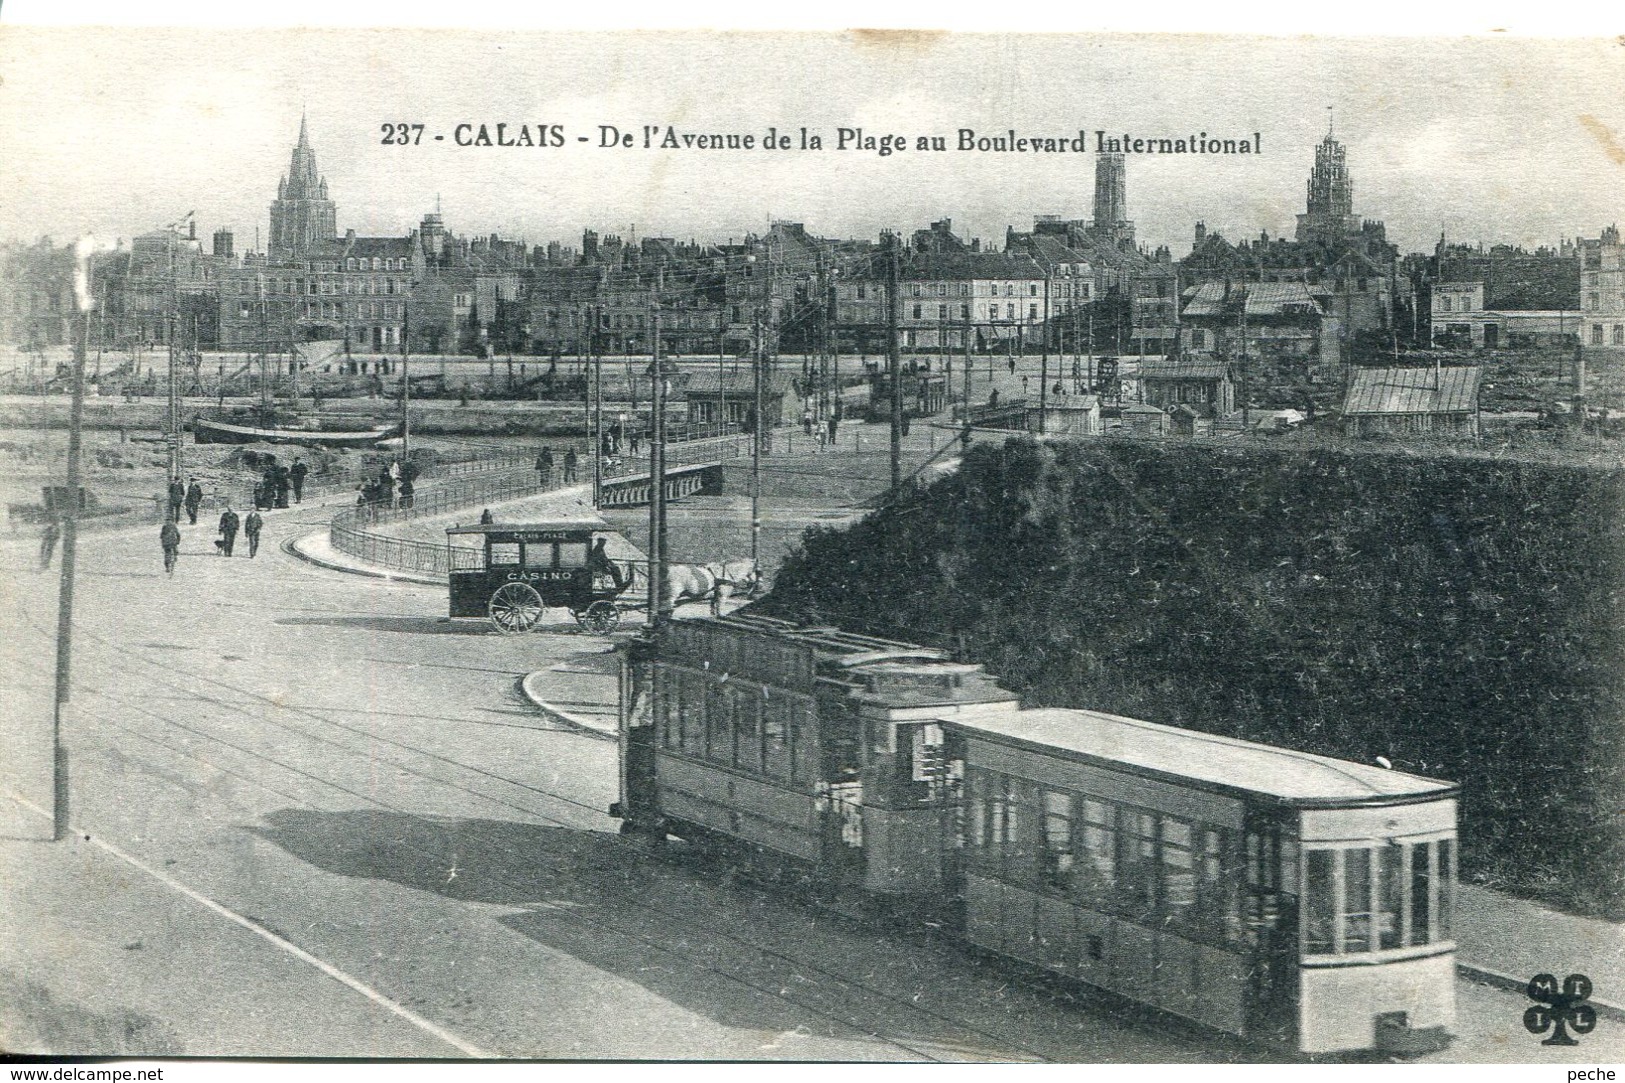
pixel 844 648
pixel 1202 759
pixel 583 523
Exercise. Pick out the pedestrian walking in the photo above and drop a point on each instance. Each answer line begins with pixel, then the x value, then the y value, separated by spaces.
pixel 284 483
pixel 177 497
pixel 1012 364
pixel 406 492
pixel 47 543
pixel 635 439
pixel 297 476
pixel 228 531
pixel 570 463
pixel 251 531
pixel 169 536
pixel 833 423
pixel 194 501
pixel 544 467
pixel 807 421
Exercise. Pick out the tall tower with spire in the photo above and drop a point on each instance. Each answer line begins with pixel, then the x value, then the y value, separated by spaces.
pixel 1111 222
pixel 1331 195
pixel 301 216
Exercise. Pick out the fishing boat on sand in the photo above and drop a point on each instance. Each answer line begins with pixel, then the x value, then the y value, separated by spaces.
pixel 216 431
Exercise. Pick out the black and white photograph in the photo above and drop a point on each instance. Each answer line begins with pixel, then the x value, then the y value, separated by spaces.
pixel 811 546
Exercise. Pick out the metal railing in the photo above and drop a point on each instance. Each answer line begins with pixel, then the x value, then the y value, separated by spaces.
pixel 349 531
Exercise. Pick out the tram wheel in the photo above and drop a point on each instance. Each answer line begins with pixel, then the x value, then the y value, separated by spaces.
pixel 515 608
pixel 600 618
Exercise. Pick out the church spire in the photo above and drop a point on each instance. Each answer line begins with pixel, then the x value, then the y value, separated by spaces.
pixel 302 214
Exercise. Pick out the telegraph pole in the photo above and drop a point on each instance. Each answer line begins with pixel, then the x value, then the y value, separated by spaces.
pixel 406 382
pixel 1043 383
pixel 64 614
pixel 756 447
pixel 894 359
pixel 659 613
pixel 597 420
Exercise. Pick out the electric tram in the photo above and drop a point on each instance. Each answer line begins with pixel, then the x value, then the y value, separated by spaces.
pixel 1273 894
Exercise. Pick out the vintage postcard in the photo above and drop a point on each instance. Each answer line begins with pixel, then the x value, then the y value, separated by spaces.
pixel 841 546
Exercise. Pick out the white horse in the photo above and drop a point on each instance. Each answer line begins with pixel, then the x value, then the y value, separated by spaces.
pixel 711 582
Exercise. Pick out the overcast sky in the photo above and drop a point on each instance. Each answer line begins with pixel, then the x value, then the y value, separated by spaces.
pixel 115 132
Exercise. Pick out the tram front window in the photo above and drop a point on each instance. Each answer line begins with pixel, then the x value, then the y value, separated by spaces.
pixel 1365 899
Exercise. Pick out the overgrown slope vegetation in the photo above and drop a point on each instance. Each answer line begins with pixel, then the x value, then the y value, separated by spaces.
pixel 1460 616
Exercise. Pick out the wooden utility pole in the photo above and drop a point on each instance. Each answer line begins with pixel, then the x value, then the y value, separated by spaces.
pixel 659 611
pixel 894 356
pixel 64 613
pixel 1043 398
pixel 406 382
pixel 597 420
pixel 756 446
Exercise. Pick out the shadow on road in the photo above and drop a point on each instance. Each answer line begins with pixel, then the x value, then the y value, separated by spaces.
pixel 429 626
pixel 744 957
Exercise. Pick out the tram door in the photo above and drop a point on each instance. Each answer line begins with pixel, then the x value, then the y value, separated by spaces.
pixel 1270 911
pixel 841 807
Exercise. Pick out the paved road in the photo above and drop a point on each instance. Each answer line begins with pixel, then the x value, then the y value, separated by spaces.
pixel 318 819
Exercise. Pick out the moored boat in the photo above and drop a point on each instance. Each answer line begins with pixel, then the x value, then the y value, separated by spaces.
pixel 210 431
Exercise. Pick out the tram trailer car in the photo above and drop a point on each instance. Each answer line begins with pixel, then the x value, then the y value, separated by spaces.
pixel 1268 893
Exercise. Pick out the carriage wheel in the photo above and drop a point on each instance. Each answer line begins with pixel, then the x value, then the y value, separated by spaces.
pixel 515 608
pixel 600 618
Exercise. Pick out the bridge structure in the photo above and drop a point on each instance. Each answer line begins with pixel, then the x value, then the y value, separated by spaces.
pixel 694 467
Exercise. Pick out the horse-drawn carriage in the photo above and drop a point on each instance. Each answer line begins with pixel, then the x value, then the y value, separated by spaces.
pixel 510 573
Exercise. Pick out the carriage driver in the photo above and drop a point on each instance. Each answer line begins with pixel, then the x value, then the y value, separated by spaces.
pixel 598 563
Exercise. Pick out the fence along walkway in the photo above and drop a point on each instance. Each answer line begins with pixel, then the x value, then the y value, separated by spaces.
pixel 349 531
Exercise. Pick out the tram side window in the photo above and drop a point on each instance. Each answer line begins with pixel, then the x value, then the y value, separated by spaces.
pixel 665 723
pixel 1178 871
pixel 1137 863
pixel 691 713
pixel 1058 858
pixel 719 724
pixel 1099 879
pixel 804 742
pixel 570 555
pixel 502 553
pixel 748 735
pixel 1218 892
pixel 777 759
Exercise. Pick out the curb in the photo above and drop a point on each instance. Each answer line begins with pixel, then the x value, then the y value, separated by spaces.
pixel 1495 979
pixel 574 721
pixel 291 547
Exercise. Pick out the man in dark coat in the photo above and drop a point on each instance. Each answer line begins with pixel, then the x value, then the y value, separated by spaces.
pixel 194 501
pixel 570 466
pixel 169 536
pixel 406 492
pixel 177 497
pixel 228 531
pixel 544 466
pixel 283 484
pixel 251 530
pixel 297 476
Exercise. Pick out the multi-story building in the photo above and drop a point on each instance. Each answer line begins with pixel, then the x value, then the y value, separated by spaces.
pixel 37 302
pixel 1602 292
pixel 946 300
